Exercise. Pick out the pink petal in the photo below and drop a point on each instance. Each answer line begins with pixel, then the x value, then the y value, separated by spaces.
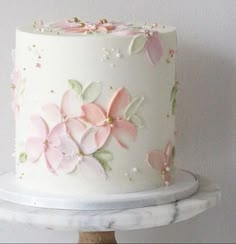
pixel 102 135
pixel 67 165
pixel 15 108
pixel 52 113
pixel 168 150
pixel 75 128
pixel 88 143
pixel 154 48
pixel 71 103
pixel 156 159
pixel 16 77
pixel 40 126
pixel 124 132
pixel 91 168
pixel 77 29
pixel 34 148
pixel 69 151
pixel 93 114
pixel 67 146
pixel 118 103
pixel 53 158
pixel 57 132
pixel 102 29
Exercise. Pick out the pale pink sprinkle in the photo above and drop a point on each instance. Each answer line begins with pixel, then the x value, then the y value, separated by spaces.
pixel 172 52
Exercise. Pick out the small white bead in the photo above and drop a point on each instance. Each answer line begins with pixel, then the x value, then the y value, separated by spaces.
pixel 168 169
pixel 118 55
pixel 135 170
pixel 106 57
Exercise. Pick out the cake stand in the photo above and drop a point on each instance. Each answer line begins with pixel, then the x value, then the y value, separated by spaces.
pixel 100 226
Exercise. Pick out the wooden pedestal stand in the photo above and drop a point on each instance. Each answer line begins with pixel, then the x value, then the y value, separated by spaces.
pixel 97 237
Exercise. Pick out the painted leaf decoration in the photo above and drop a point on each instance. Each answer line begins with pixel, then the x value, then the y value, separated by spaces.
pixel 137 44
pixel 92 92
pixel 173 152
pixel 21 88
pixel 133 107
pixel 76 86
pixel 104 157
pixel 174 91
pixel 23 157
pixel 137 121
pixel 173 106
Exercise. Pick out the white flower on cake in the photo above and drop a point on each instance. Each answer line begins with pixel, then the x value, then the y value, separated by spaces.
pixel 62 153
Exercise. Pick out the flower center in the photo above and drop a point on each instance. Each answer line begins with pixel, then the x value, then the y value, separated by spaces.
pixel 13 86
pixel 109 120
pixel 80 154
pixel 64 118
pixel 46 143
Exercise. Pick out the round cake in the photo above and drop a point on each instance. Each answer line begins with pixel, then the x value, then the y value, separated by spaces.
pixel 94 106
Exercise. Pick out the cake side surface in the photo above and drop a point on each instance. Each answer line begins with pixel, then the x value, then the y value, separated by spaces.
pixel 94 109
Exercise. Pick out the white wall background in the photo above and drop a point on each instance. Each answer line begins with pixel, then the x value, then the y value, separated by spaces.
pixel 206 116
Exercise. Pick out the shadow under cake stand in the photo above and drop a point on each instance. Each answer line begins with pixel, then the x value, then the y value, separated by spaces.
pixel 99 226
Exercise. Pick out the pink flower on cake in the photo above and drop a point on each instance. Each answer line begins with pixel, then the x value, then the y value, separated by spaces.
pixel 45 142
pixel 82 27
pixel 63 154
pixel 111 121
pixel 162 161
pixel 68 113
pixel 18 88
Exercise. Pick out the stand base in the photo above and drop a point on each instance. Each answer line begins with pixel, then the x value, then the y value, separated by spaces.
pixel 97 237
pixel 184 186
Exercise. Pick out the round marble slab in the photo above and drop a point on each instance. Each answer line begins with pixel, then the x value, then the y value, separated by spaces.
pixel 111 220
pixel 184 186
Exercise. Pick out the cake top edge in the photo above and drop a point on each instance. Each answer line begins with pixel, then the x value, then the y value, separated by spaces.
pixel 103 27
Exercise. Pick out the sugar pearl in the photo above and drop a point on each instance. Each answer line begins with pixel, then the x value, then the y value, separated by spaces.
pixel 135 170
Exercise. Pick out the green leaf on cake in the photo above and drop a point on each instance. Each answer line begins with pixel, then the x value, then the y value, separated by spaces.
pixel 173 106
pixel 174 91
pixel 173 152
pixel 76 86
pixel 137 121
pixel 133 107
pixel 23 157
pixel 137 44
pixel 92 92
pixel 104 157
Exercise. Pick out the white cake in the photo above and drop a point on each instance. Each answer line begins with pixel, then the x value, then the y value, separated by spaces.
pixel 94 106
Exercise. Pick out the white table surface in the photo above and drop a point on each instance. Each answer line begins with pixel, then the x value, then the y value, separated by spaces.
pixel 112 220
